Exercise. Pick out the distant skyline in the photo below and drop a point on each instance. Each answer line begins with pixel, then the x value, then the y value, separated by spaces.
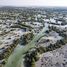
pixel 60 3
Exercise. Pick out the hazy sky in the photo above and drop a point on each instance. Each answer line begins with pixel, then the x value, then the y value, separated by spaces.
pixel 33 2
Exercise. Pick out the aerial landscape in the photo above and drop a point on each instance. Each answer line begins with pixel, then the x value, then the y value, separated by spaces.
pixel 33 35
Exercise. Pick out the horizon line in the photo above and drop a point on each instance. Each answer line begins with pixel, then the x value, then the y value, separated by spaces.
pixel 32 6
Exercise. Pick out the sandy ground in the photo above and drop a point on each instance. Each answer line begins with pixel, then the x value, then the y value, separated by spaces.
pixel 55 58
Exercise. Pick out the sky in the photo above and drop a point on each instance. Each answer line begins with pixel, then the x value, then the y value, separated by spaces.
pixel 33 3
